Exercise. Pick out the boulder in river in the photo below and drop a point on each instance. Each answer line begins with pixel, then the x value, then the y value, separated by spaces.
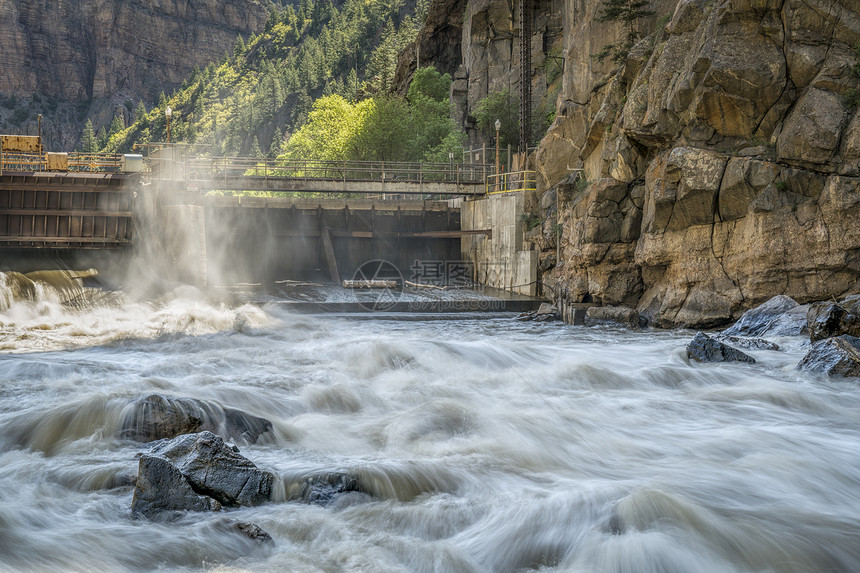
pixel 252 531
pixel 184 472
pixel 774 318
pixel 156 417
pixel 828 319
pixel 325 488
pixel 161 490
pixel 620 315
pixel 707 349
pixel 837 356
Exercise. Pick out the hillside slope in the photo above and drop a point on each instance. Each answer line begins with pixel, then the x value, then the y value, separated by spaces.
pixel 75 59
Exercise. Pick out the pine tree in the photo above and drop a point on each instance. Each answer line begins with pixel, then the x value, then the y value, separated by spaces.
pixel 239 48
pixel 162 100
pixel 627 12
pixel 116 126
pixel 102 138
pixel 88 138
pixel 140 111
pixel 255 148
pixel 277 143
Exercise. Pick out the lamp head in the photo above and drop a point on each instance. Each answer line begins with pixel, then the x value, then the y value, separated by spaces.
pixel 168 112
pixel 498 125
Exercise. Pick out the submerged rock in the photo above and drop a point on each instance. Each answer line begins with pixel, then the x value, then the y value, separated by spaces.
pixel 197 472
pixel 706 349
pixel 622 315
pixel 828 319
pixel 837 356
pixel 156 417
pixel 769 317
pixel 252 531
pixel 325 488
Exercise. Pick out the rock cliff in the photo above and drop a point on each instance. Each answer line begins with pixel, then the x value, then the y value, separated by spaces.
pixel 105 52
pixel 720 160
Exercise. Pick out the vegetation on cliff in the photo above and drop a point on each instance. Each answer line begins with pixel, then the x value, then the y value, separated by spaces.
pixel 257 95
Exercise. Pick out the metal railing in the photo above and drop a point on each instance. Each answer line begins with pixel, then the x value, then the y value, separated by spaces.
pixel 214 168
pixel 511 182
pixel 76 162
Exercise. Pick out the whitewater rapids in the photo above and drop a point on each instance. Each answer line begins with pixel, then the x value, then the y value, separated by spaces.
pixel 482 445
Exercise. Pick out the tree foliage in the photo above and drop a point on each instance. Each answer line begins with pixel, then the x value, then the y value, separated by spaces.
pixel 504 106
pixel 268 83
pixel 381 128
pixel 89 143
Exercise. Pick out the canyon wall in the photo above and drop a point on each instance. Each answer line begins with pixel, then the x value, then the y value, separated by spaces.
pixel 721 162
pixel 715 166
pixel 102 53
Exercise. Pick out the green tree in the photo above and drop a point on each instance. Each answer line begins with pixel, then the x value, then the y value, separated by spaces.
pixel 102 138
pixel 430 83
pixel 116 126
pixel 140 111
pixel 504 107
pixel 277 142
pixel 89 143
pixel 327 132
pixel 383 130
pixel 628 12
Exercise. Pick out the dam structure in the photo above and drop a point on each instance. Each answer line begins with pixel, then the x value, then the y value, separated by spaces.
pixel 220 221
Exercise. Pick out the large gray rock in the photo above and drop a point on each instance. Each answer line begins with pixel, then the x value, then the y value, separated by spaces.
pixel 622 315
pixel 156 417
pixel 790 323
pixel 828 319
pixel 215 469
pixel 706 349
pixel 756 321
pixel 838 356
pixel 161 490
pixel 196 472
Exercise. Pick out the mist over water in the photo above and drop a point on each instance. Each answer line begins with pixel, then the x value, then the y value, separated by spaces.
pixel 480 444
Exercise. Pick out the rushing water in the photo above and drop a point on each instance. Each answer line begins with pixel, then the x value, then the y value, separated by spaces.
pixel 480 444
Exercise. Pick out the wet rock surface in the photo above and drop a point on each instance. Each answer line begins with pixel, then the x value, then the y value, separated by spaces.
pixel 763 318
pixel 703 348
pixel 161 490
pixel 619 315
pixel 837 356
pixel 545 313
pixel 743 342
pixel 828 319
pixel 197 472
pixel 326 488
pixel 157 417
pixel 251 531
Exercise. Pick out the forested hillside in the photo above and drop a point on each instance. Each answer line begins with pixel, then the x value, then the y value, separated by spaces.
pixel 251 100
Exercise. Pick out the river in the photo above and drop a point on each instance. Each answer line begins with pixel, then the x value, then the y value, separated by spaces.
pixel 482 444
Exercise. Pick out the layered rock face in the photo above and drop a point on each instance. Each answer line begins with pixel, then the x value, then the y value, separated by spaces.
pixel 111 51
pixel 721 159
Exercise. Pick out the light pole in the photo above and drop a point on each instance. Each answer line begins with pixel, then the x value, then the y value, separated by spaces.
pixel 498 176
pixel 168 113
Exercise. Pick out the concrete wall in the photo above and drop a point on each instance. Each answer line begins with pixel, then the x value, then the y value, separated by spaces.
pixel 501 260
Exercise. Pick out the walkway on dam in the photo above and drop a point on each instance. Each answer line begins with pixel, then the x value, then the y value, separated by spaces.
pixel 351 177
